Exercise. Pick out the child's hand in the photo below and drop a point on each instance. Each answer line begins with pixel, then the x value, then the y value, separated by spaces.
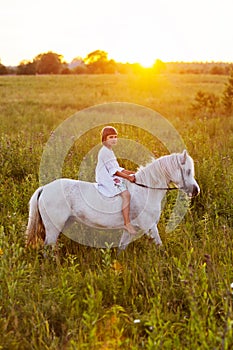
pixel 132 178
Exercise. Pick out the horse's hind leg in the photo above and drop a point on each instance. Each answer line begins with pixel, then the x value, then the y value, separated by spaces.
pixel 53 224
pixel 51 243
pixel 51 238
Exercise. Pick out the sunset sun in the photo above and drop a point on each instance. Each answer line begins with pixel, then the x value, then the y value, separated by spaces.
pixel 147 62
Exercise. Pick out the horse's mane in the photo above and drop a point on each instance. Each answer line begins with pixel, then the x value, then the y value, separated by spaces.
pixel 157 170
pixel 147 164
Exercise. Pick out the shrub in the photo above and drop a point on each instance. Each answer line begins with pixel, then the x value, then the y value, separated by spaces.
pixel 205 103
pixel 228 94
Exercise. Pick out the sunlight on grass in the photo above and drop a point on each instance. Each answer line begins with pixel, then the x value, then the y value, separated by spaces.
pixel 88 298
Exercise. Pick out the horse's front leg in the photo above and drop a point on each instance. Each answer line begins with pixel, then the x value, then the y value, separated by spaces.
pixel 126 239
pixel 155 235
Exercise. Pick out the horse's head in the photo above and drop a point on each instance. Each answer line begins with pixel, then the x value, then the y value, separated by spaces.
pixel 185 175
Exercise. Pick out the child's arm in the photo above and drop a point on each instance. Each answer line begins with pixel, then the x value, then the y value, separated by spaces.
pixel 126 174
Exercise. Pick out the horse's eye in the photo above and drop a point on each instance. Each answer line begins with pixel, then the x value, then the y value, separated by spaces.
pixel 188 172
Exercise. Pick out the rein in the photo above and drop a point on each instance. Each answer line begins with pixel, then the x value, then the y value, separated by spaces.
pixel 165 188
pixel 157 188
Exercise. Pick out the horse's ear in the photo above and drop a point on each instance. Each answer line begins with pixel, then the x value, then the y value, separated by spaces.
pixel 184 156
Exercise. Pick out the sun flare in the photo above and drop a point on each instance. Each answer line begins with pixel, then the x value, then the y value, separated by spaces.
pixel 147 62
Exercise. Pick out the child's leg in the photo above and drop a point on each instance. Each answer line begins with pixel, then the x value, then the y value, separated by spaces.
pixel 126 210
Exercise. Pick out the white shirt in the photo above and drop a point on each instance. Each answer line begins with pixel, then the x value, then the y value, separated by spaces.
pixel 107 166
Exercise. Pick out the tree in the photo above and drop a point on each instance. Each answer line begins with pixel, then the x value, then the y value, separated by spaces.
pixel 228 94
pixel 49 63
pixel 26 68
pixel 96 56
pixel 205 103
pixel 159 66
pixel 78 66
pixel 217 69
pixel 97 62
pixel 3 69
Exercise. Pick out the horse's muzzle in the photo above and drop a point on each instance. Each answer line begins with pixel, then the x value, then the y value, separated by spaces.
pixel 195 191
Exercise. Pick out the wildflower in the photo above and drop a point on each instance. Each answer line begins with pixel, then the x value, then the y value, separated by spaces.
pixel 1 252
pixel 117 267
pixel 137 321
pixel 143 325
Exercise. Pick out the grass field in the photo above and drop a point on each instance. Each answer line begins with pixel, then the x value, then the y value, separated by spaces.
pixel 89 298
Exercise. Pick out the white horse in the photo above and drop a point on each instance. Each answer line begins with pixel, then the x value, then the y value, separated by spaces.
pixel 56 204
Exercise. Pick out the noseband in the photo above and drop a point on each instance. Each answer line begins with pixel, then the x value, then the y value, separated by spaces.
pixel 182 176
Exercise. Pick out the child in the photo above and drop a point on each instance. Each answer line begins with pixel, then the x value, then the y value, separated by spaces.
pixel 109 175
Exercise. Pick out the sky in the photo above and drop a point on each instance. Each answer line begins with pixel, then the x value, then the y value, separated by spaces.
pixel 128 30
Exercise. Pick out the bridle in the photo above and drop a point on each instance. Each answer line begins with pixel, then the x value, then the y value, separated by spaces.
pixel 166 188
pixel 157 188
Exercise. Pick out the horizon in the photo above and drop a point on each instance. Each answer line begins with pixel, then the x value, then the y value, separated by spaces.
pixel 119 62
pixel 130 32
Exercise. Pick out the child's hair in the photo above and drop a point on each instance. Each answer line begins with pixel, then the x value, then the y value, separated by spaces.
pixel 106 131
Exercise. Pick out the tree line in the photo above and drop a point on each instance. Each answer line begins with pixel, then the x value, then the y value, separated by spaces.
pixel 97 62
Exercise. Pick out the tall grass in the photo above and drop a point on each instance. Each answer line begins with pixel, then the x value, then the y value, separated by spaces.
pixel 88 298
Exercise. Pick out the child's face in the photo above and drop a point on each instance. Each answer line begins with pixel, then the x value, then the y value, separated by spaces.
pixel 111 140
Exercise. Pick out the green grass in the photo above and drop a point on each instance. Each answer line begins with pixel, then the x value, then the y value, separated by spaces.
pixel 88 298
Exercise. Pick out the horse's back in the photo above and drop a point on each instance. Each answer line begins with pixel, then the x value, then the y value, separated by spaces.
pixel 81 194
pixel 92 199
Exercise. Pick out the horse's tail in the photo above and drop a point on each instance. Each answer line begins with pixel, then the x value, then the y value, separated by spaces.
pixel 35 228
